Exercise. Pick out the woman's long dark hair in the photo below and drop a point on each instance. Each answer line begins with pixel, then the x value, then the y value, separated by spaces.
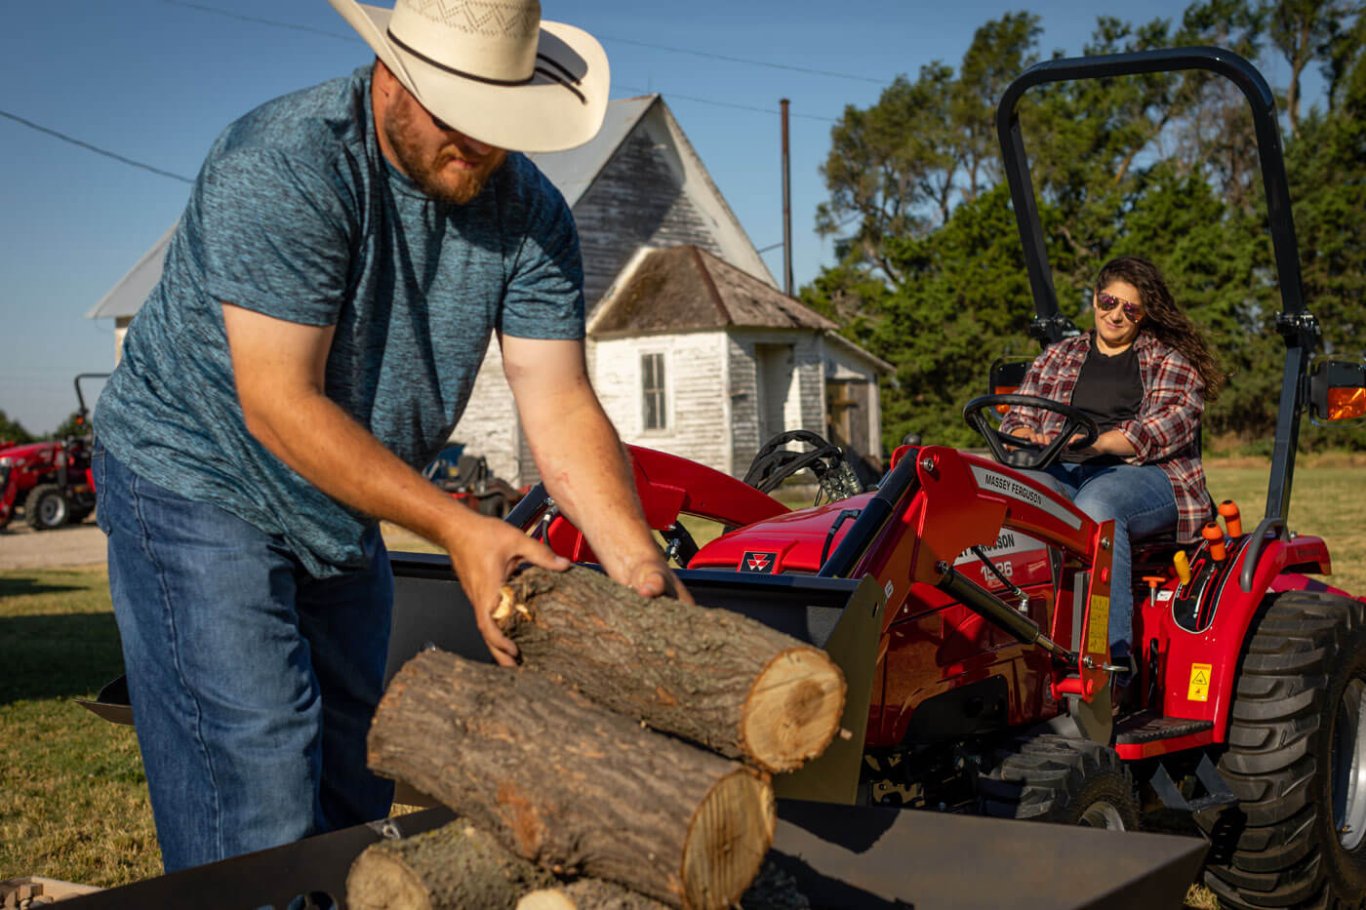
pixel 1161 317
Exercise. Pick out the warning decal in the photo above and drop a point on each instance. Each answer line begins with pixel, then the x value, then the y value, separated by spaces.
pixel 1199 687
pixel 1098 627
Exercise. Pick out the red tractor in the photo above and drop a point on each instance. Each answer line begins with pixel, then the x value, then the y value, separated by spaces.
pixel 972 623
pixel 469 479
pixel 50 480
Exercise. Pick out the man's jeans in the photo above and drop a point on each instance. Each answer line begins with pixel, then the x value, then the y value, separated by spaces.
pixel 1140 500
pixel 252 683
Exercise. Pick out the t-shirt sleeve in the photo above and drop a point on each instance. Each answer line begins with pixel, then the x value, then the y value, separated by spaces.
pixel 544 296
pixel 273 236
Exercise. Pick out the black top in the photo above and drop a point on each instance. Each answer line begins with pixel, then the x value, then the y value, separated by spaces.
pixel 1109 391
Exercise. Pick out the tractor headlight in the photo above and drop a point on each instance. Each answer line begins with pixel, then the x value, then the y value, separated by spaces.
pixel 6 462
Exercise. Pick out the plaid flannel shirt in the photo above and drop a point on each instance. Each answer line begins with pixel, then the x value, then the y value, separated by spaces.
pixel 1166 431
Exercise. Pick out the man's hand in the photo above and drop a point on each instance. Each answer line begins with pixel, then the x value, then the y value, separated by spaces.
pixel 485 552
pixel 653 578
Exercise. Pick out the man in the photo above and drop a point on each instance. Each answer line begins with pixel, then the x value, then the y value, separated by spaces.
pixel 346 253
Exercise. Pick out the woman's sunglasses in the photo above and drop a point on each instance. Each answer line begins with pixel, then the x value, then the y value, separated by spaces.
pixel 1107 302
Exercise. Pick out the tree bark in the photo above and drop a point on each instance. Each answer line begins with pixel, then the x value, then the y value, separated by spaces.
pixel 455 867
pixel 719 679
pixel 571 786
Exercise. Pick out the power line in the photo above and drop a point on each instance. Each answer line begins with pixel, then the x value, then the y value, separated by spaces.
pixel 94 148
pixel 747 61
pixel 739 107
pixel 275 23
pixel 258 20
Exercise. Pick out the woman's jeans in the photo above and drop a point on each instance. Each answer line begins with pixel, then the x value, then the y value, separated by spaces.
pixel 252 683
pixel 1140 500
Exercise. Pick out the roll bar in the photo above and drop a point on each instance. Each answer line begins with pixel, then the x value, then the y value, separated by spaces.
pixel 1295 323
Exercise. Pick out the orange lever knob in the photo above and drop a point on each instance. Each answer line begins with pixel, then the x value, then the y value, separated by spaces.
pixel 1215 538
pixel 1233 519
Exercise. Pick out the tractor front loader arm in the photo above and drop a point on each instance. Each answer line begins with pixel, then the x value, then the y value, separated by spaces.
pixel 958 501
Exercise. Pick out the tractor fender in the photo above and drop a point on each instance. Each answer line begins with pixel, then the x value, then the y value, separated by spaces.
pixel 1201 671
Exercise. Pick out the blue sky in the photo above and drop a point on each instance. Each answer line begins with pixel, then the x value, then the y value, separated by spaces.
pixel 156 80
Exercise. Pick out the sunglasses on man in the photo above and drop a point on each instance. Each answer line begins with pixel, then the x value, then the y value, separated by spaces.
pixel 1107 302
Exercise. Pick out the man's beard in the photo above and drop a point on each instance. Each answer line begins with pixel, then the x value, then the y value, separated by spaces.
pixel 452 187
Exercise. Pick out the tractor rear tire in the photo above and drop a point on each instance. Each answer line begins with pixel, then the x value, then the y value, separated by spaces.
pixel 1297 760
pixel 46 507
pixel 1053 778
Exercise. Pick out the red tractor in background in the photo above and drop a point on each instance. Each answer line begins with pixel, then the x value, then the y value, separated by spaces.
pixel 972 620
pixel 50 480
pixel 469 480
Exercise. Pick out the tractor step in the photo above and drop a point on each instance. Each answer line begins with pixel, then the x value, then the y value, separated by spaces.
pixel 1147 734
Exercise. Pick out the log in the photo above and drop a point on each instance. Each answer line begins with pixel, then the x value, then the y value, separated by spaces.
pixel 724 681
pixel 571 786
pixel 588 894
pixel 454 867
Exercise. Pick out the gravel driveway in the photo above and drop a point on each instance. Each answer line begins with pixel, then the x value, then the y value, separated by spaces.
pixel 21 547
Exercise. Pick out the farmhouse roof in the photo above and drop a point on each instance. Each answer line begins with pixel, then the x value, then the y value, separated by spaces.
pixel 684 287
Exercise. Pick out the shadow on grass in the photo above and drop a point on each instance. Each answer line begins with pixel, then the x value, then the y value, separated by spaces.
pixel 19 586
pixel 58 656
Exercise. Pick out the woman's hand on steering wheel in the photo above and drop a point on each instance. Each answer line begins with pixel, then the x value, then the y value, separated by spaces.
pixel 1031 450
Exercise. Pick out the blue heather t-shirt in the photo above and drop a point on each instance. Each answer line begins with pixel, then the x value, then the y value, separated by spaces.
pixel 296 214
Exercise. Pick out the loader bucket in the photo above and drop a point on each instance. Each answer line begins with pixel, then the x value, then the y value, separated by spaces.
pixel 842 616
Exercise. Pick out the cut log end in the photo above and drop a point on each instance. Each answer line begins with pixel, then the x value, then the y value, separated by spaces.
pixel 793 710
pixel 380 881
pixel 727 840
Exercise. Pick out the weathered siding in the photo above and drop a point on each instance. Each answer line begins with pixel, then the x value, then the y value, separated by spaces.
pixel 694 393
pixel 804 407
pixel 489 425
pixel 842 364
pixel 638 200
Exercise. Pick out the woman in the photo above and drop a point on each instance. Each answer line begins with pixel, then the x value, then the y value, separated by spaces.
pixel 1143 374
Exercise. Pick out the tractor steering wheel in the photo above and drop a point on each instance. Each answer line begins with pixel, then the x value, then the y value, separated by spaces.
pixel 1029 456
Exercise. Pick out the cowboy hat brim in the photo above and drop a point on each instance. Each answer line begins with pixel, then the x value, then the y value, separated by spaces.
pixel 561 107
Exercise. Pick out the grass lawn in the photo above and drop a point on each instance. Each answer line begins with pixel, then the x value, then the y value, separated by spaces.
pixel 74 800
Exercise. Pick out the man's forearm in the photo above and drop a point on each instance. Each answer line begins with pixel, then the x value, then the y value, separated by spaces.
pixel 330 450
pixel 586 470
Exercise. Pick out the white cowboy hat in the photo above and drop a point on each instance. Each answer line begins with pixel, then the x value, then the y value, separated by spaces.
pixel 491 68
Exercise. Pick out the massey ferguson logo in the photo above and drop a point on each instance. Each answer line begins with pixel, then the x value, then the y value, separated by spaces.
pixel 758 561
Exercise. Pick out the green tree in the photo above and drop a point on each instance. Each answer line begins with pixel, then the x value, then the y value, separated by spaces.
pixel 12 432
pixel 74 425
pixel 931 276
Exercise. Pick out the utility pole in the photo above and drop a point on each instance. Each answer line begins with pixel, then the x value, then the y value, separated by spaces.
pixel 787 204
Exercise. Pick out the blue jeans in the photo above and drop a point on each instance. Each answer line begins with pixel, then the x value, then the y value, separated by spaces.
pixel 252 683
pixel 1140 500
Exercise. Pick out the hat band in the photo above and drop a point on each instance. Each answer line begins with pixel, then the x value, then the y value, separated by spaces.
pixel 562 77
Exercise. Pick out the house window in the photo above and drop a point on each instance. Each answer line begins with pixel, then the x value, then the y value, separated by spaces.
pixel 652 391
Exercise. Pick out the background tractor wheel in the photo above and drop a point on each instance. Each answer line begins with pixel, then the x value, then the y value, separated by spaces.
pixel 46 508
pixel 1055 779
pixel 1297 760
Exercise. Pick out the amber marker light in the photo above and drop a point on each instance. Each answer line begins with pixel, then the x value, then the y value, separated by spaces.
pixel 1233 519
pixel 1346 402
